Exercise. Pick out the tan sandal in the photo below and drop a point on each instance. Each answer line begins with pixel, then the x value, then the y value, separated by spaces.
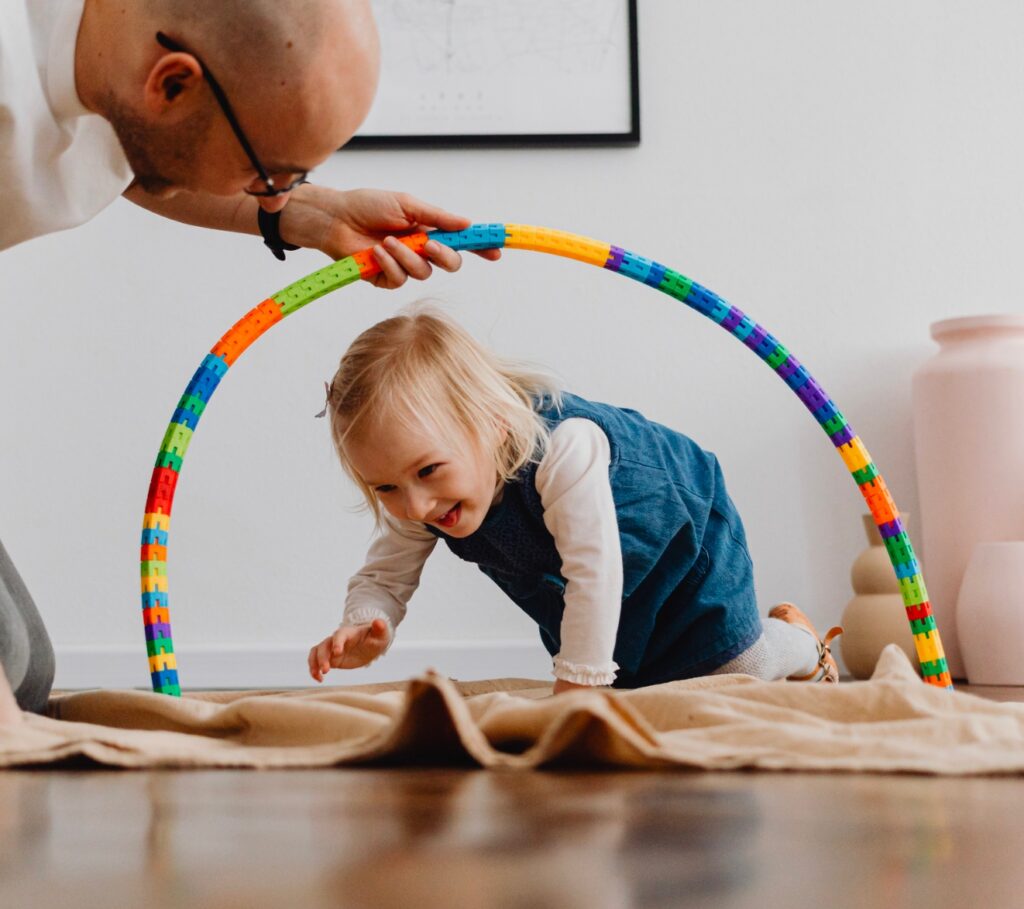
pixel 826 670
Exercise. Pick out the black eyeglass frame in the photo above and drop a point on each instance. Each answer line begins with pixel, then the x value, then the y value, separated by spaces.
pixel 229 114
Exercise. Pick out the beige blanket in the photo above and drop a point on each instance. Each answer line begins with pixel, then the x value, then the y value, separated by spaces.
pixel 894 722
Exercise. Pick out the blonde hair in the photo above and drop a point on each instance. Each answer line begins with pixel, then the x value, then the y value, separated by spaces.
pixel 422 369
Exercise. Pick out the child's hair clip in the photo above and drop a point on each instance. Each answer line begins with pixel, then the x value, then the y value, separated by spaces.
pixel 327 400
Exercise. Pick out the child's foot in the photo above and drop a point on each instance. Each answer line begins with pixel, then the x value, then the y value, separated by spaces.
pixel 826 670
pixel 10 713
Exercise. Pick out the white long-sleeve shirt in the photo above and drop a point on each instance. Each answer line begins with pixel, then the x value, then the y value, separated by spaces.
pixel 579 512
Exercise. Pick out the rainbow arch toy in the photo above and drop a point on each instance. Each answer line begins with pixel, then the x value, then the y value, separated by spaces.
pixel 156 520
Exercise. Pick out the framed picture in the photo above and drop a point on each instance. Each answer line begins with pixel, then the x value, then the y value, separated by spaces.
pixel 459 73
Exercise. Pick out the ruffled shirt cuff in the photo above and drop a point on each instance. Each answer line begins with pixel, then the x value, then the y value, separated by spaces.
pixel 585 675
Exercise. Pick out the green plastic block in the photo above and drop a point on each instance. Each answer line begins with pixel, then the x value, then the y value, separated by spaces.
pixel 833 425
pixel 922 626
pixel 176 439
pixel 913 589
pixel 152 569
pixel 321 282
pixel 174 690
pixel 159 646
pixel 865 474
pixel 169 459
pixel 192 403
pixel 777 357
pixel 900 550
pixel 675 285
pixel 935 667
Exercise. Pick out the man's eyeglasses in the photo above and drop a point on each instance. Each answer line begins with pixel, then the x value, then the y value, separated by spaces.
pixel 218 93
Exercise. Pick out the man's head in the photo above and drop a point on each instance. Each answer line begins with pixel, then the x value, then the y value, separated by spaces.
pixel 299 76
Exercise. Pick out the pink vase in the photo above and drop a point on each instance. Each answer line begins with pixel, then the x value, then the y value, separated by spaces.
pixel 968 405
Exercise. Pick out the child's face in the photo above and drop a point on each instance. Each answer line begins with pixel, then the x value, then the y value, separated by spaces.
pixel 417 477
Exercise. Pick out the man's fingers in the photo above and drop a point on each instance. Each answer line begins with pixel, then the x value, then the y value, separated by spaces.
pixel 412 263
pixel 428 215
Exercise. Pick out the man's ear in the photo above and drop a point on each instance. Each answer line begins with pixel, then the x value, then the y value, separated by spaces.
pixel 173 83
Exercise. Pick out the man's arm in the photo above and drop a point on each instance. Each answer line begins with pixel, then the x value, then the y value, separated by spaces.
pixel 337 222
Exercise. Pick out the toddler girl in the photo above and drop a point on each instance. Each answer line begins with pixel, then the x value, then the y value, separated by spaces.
pixel 613 533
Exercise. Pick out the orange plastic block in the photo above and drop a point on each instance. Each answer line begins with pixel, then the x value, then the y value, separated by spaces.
pixel 156 615
pixel 153 552
pixel 367 263
pixel 942 680
pixel 246 330
pixel 571 246
pixel 879 501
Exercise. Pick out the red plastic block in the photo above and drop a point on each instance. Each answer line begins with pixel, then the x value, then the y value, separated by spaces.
pixel 156 615
pixel 919 611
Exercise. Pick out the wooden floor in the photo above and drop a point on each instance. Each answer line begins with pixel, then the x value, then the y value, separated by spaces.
pixel 453 838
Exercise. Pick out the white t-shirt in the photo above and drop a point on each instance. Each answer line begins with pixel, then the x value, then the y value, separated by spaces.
pixel 60 165
pixel 579 512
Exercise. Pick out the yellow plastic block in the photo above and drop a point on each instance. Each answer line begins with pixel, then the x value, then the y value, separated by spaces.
pixel 156 520
pixel 155 584
pixel 559 242
pixel 854 454
pixel 161 661
pixel 929 647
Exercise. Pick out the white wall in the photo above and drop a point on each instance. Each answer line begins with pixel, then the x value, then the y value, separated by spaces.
pixel 845 173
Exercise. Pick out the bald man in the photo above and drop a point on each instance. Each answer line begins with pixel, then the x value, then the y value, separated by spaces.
pixel 210 113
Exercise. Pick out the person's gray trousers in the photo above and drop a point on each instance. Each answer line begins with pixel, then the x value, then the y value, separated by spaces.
pixel 25 649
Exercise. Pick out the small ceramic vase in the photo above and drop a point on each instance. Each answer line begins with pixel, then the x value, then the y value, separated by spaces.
pixel 990 614
pixel 876 615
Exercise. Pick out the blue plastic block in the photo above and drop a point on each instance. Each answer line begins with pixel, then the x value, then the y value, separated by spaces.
pixel 151 535
pixel 798 378
pixel 164 678
pixel 767 346
pixel 480 236
pixel 154 598
pixel 185 418
pixel 656 275
pixel 215 363
pixel 635 266
pixel 908 569
pixel 743 330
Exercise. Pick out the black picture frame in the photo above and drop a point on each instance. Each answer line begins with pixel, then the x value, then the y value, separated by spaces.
pixel 630 135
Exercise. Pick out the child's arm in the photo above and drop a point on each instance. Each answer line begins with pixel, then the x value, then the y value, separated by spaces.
pixel 376 600
pixel 579 511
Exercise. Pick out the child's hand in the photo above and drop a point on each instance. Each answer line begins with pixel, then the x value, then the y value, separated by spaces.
pixel 350 647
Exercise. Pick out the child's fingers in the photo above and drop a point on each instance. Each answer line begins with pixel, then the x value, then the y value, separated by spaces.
pixel 314 665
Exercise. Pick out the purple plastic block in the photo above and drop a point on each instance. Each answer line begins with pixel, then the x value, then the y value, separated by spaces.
pixel 843 436
pixel 157 630
pixel 733 319
pixel 812 394
pixel 788 366
pixel 755 337
pixel 615 258
pixel 891 529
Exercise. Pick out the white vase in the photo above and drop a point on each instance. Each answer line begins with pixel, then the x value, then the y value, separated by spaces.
pixel 990 614
pixel 969 449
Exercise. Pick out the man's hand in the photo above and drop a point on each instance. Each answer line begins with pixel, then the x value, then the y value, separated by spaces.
pixel 341 222
pixel 350 647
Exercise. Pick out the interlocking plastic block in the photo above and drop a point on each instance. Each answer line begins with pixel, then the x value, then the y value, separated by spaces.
pixel 479 236
pixel 843 436
pixel 153 583
pixel 166 679
pixel 812 394
pixel 929 647
pixel 923 626
pixel 756 336
pixel 573 246
pixel 942 680
pixel 732 318
pixel 854 454
pixel 676 285
pixel 156 521
pixel 898 547
pixel 798 378
pixel 934 667
pixel 153 569
pixel 190 402
pixel 878 499
pixel 153 552
pixel 777 357
pixel 161 489
pixel 155 598
pixel 655 275
pixel 634 266
pixel 743 330
pixel 892 528
pixel 865 474
pixel 153 536
pixel 204 381
pixel 157 630
pixel 159 645
pixel 168 459
pixel 703 301
pixel 768 346
pixel 176 440
pixel 835 423
pixel 918 611
pixel 161 662
pixel 913 589
pixel 788 367
pixel 157 615
pixel 185 418
pixel 255 322
pixel 907 569
pixel 720 309
pixel 614 258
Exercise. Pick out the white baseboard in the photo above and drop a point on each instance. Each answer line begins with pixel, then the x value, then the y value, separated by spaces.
pixel 284 666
